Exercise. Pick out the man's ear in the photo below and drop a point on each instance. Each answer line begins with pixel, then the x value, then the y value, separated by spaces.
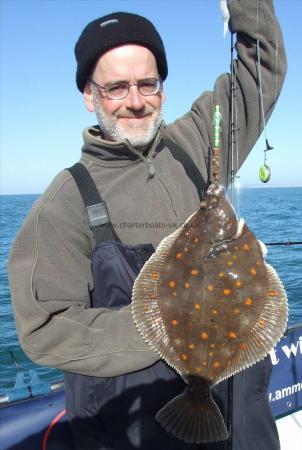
pixel 88 97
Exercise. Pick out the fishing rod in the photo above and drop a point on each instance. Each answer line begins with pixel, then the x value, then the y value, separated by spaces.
pixel 233 130
pixel 284 243
pixel 14 359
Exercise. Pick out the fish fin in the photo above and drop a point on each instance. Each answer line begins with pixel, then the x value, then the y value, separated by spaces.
pixel 263 248
pixel 193 421
pixel 267 330
pixel 145 309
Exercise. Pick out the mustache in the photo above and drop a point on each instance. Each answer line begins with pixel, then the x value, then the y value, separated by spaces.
pixel 146 111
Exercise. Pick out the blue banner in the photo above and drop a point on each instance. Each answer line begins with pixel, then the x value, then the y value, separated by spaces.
pixel 285 388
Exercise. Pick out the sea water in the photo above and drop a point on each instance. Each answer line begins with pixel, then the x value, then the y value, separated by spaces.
pixel 273 214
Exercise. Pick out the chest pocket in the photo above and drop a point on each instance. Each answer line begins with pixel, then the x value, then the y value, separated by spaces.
pixel 115 267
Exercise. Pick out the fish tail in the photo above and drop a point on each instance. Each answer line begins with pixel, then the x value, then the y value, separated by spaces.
pixel 193 421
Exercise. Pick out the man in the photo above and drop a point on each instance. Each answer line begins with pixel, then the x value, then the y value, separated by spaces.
pixel 71 281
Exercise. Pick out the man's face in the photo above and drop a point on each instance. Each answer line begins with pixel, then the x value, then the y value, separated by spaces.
pixel 135 117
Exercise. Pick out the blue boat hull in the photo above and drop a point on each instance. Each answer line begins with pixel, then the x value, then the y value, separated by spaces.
pixel 36 424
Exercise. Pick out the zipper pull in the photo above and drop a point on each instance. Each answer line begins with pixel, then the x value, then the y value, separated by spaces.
pixel 151 170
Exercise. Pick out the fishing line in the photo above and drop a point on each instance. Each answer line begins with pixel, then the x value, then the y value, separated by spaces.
pixel 264 171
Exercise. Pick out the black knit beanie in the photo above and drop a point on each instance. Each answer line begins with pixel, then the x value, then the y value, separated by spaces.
pixel 111 31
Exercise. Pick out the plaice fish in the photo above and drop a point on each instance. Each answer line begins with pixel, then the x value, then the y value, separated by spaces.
pixel 211 306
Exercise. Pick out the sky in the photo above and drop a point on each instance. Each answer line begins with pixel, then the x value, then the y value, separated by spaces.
pixel 42 112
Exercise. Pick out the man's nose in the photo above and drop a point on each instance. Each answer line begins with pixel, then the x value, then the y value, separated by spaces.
pixel 134 99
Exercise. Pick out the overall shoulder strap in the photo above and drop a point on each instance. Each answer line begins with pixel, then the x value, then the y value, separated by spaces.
pixel 189 166
pixel 96 209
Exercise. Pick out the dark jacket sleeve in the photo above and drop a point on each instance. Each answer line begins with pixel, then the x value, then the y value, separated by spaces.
pixel 251 20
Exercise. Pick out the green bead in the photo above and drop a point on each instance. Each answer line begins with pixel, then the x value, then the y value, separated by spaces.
pixel 264 173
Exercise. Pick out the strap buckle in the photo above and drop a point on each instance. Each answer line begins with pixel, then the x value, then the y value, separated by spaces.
pixel 97 214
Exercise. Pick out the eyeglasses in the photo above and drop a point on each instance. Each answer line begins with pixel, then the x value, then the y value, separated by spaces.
pixel 120 90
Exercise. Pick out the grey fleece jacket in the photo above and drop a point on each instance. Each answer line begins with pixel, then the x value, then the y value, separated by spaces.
pixel 50 263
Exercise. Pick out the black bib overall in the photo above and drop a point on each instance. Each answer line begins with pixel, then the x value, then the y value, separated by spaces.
pixel 117 413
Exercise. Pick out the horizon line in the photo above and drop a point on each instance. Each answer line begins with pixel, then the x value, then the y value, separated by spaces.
pixel 242 186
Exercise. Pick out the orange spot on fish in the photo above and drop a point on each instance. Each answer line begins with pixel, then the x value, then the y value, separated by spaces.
pixel 197 306
pixel 253 271
pixel 227 291
pixel 174 294
pixel 232 335
pixel 236 247
pixel 174 322
pixel 187 285
pixel 191 346
pixel 230 263
pixel 204 364
pixel 271 293
pixel 212 345
pixel 194 272
pixel 243 346
pixel 171 284
pixel 214 311
pixel 221 274
pixel 246 248
pixel 262 322
pixel 155 275
pixel 258 263
pixel 248 301
pixel 184 356
pixel 196 240
pixel 198 369
pixel 178 255
pixel 238 284
pixel 216 364
pixel 186 249
pixel 211 353
pixel 236 311
pixel 210 288
pixel 204 336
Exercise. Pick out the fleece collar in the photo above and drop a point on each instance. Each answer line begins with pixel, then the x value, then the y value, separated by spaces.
pixel 122 150
pixel 120 153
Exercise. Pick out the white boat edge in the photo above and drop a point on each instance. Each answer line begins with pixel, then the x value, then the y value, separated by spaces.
pixel 290 431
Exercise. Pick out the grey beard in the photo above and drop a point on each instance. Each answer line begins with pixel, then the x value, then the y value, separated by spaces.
pixel 139 135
